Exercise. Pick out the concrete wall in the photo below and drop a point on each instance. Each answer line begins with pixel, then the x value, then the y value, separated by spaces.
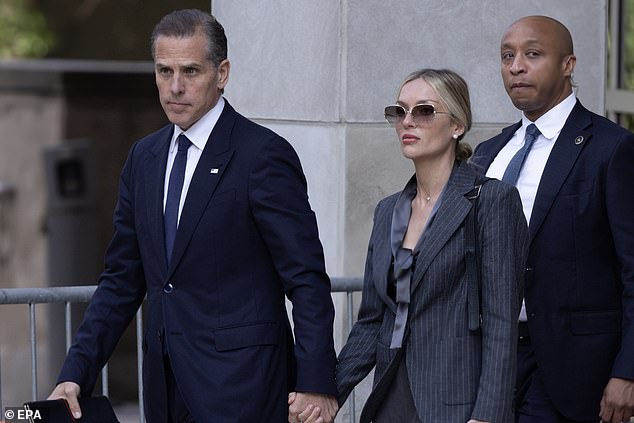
pixel 320 73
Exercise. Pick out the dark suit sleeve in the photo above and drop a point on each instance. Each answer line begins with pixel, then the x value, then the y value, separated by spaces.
pixel 119 294
pixel 279 203
pixel 358 355
pixel 620 208
pixel 503 246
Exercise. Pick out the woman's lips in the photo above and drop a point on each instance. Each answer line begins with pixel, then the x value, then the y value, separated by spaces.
pixel 409 139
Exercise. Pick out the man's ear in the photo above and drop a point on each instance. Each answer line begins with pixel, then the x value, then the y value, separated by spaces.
pixel 223 74
pixel 569 65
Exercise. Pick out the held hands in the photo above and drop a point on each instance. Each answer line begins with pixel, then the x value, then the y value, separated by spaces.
pixel 617 404
pixel 70 392
pixel 311 408
pixel 311 412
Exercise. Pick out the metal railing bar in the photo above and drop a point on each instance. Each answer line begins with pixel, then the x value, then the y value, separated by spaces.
pixel 67 325
pixel 351 400
pixel 104 380
pixel 341 284
pixel 82 294
pixel 75 294
pixel 33 351
pixel 1 407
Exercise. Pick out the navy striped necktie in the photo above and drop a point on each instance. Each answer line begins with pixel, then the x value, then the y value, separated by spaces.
pixel 174 189
pixel 512 172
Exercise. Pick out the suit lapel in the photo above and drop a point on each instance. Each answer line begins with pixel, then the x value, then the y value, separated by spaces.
pixel 211 166
pixel 449 217
pixel 154 187
pixel 571 140
pixel 486 152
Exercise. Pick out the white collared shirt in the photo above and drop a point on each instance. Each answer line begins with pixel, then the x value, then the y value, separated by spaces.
pixel 198 134
pixel 550 125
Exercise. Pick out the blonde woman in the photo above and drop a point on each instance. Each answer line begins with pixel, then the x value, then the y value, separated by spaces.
pixel 414 320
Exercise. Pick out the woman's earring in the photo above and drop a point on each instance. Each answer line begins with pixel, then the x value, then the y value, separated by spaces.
pixel 455 136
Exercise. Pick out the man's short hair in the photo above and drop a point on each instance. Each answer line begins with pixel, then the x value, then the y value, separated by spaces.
pixel 186 23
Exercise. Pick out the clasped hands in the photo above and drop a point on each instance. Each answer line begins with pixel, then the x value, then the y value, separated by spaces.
pixel 306 407
pixel 317 408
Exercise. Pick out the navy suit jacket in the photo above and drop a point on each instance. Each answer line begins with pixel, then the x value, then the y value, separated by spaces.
pixel 580 273
pixel 247 237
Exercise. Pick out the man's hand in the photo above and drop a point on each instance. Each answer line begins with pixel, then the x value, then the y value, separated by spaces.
pixel 311 408
pixel 70 392
pixel 617 404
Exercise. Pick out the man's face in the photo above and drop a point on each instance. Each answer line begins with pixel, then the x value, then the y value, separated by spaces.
pixel 535 67
pixel 189 85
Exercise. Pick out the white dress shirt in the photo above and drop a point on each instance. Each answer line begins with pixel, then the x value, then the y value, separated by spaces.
pixel 198 134
pixel 550 125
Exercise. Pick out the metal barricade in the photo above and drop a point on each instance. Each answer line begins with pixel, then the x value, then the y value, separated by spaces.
pixel 82 294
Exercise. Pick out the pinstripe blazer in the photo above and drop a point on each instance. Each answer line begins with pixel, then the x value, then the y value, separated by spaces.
pixel 454 374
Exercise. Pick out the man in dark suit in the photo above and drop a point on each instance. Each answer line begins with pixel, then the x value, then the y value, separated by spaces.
pixel 213 224
pixel 576 352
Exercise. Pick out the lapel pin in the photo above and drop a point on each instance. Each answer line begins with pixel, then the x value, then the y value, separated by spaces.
pixel 579 140
pixel 214 170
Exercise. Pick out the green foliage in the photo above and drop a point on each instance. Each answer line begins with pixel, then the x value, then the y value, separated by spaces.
pixel 628 56
pixel 628 45
pixel 23 31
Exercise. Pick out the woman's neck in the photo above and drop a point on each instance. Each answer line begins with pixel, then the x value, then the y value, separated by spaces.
pixel 432 176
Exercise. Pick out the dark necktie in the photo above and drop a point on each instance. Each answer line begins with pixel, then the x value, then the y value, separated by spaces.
pixel 174 189
pixel 512 171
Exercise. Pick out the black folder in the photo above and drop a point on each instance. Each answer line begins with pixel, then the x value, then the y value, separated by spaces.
pixel 93 410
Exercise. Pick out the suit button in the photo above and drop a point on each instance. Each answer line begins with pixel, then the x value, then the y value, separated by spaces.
pixel 168 288
pixel 160 336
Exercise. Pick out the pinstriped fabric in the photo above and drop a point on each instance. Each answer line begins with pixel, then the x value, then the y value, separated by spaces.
pixel 454 374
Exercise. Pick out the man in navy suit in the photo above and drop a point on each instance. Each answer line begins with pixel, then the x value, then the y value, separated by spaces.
pixel 576 352
pixel 215 256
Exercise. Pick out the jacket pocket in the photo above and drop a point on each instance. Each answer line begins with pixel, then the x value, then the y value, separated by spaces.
pixel 462 362
pixel 246 335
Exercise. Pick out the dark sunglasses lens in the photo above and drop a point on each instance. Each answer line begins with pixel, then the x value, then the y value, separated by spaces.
pixel 423 111
pixel 394 113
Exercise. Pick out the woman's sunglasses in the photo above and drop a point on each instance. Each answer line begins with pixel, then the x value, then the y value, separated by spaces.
pixel 421 113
